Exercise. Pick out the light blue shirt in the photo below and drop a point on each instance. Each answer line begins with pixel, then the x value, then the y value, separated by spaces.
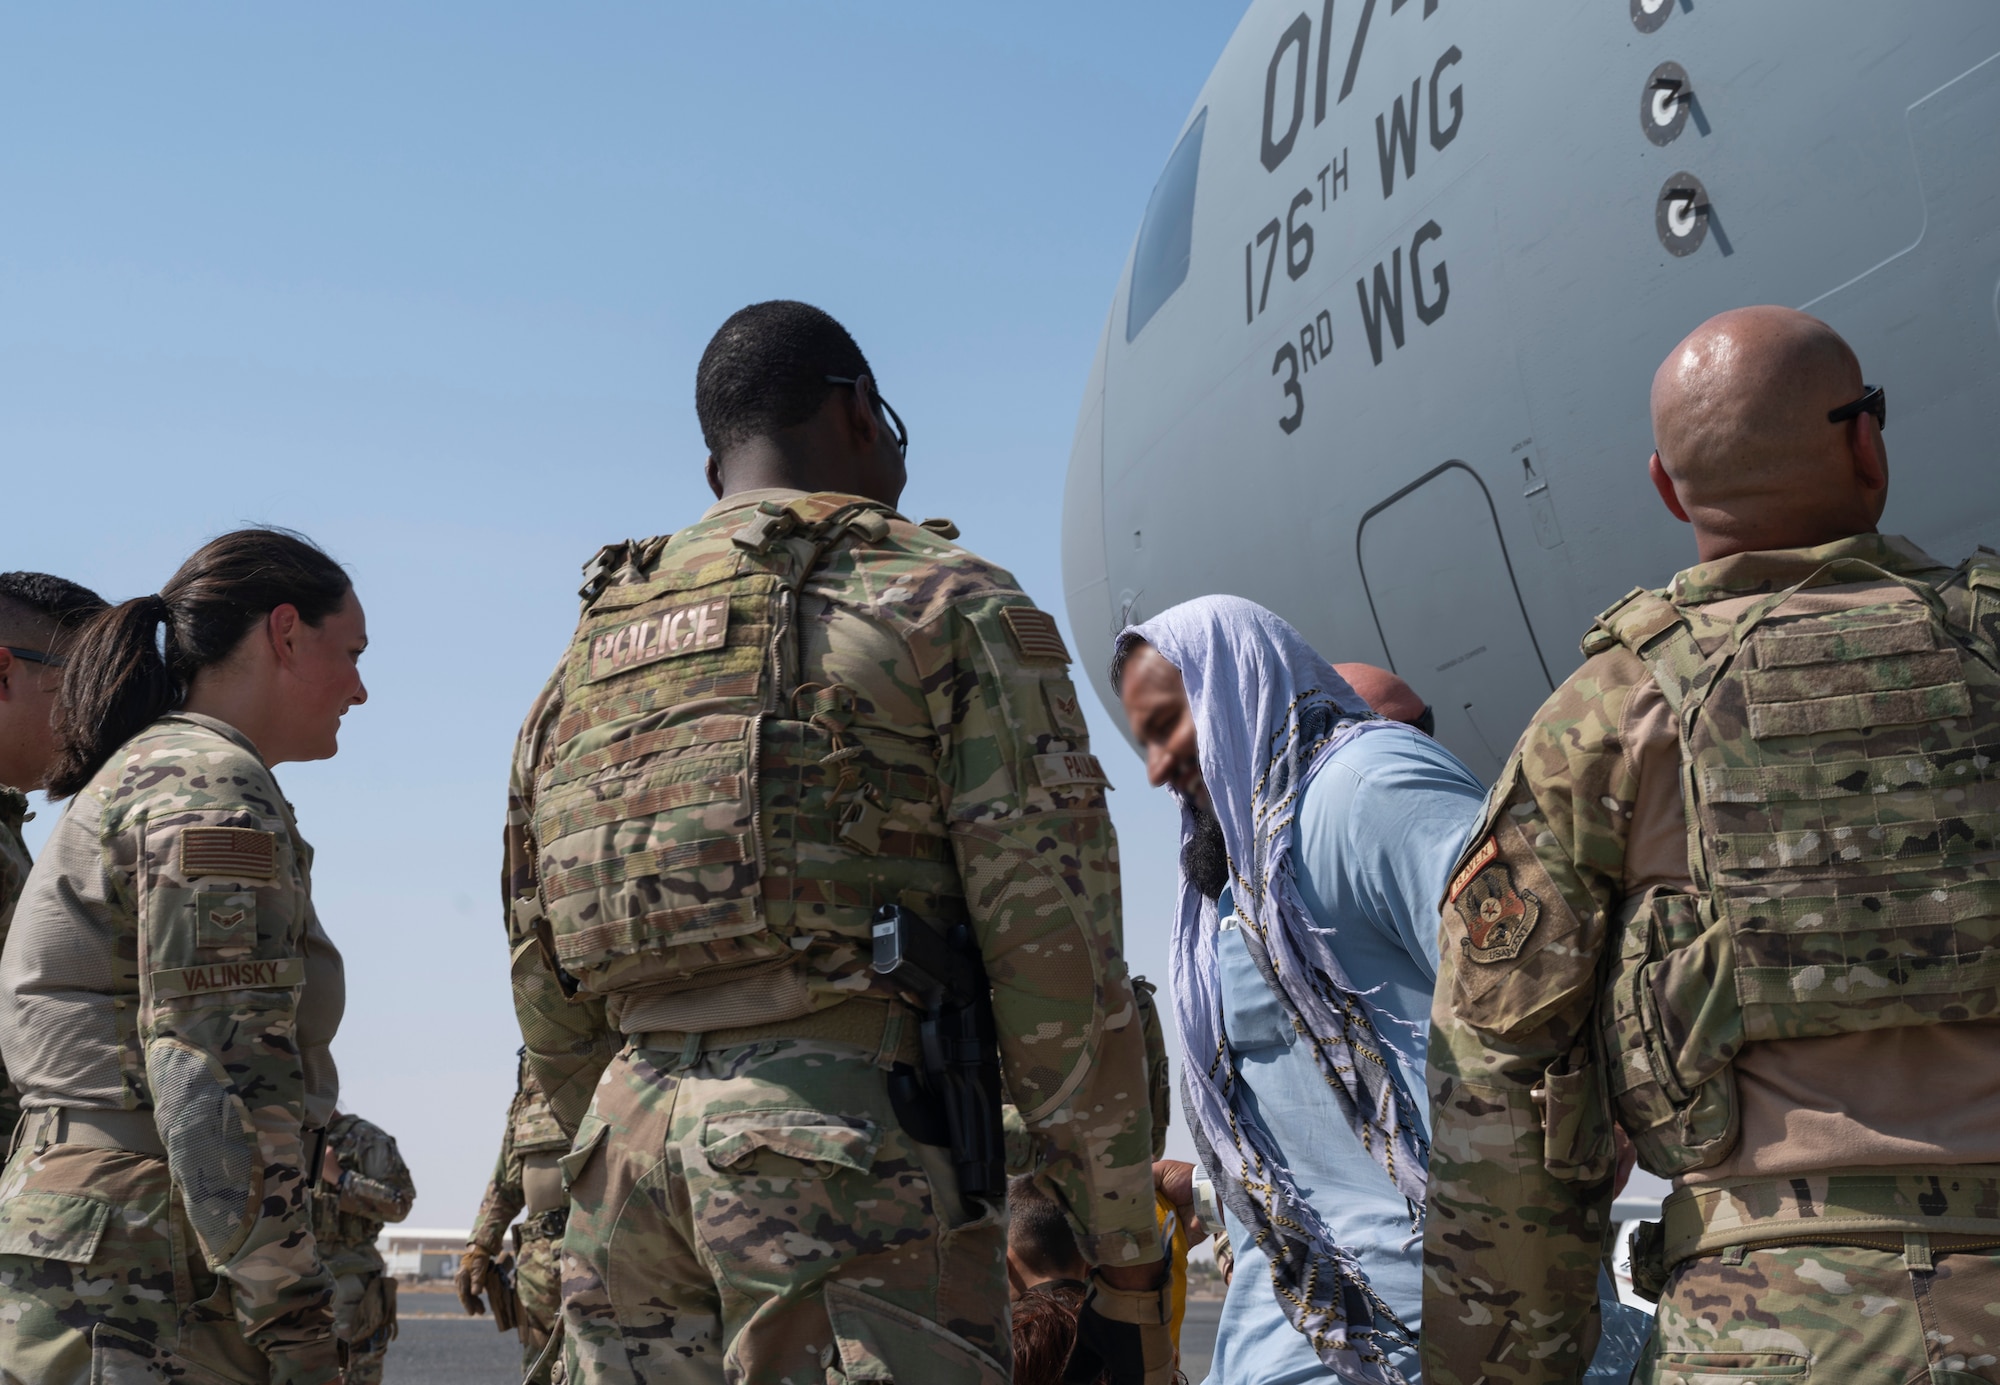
pixel 1378 830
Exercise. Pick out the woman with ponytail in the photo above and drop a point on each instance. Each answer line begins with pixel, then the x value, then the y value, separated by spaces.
pixel 167 996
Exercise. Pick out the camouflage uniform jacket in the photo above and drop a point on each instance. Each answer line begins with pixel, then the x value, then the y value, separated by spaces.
pixel 1521 1165
pixel 166 957
pixel 954 673
pixel 374 1189
pixel 531 1129
pixel 15 863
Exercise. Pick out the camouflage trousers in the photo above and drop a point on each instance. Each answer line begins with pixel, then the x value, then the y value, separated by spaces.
pixel 758 1214
pixel 100 1279
pixel 1855 1314
pixel 537 1289
pixel 364 1317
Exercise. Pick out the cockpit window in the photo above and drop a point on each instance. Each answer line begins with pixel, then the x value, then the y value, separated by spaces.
pixel 1160 264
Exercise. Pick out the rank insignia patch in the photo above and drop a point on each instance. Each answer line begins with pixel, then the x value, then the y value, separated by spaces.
pixel 225 920
pixel 1034 633
pixel 1065 710
pixel 1498 917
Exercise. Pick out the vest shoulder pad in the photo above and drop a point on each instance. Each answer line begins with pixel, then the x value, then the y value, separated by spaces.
pixel 628 557
pixel 1633 620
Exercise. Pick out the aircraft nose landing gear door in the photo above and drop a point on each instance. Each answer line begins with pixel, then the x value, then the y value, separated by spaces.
pixel 1441 585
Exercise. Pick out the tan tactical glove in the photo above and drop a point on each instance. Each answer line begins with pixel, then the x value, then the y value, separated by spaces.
pixel 470 1281
pixel 1124 1333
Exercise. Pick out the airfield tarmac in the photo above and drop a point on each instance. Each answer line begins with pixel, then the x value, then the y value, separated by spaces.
pixel 439 1345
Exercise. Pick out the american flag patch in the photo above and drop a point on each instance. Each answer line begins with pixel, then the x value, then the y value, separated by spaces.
pixel 238 853
pixel 1034 633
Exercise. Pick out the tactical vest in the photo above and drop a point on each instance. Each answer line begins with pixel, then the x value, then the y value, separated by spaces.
pixel 703 819
pixel 1843 809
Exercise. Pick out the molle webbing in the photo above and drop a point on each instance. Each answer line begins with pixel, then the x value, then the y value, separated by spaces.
pixel 1706 1218
pixel 1844 803
pixel 699 814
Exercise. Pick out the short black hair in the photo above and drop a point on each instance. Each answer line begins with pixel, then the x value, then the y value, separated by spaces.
pixel 40 606
pixel 766 368
pixel 1039 1233
pixel 1129 643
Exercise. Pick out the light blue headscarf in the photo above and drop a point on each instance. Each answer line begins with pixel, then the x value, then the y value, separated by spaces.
pixel 1268 712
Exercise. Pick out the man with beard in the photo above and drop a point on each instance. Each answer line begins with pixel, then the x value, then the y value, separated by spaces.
pixel 1317 838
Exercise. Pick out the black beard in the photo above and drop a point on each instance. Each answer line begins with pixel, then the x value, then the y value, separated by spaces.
pixel 1205 856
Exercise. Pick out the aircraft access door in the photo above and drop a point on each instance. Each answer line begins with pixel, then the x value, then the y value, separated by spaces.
pixel 1441 586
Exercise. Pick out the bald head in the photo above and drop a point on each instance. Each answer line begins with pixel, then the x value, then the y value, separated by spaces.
pixel 1745 451
pixel 1383 691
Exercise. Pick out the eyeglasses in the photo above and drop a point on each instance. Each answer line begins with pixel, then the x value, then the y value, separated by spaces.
pixel 35 656
pixel 1874 402
pixel 875 398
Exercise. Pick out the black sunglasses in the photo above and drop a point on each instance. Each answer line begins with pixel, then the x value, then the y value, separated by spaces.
pixel 875 397
pixel 1874 402
pixel 35 656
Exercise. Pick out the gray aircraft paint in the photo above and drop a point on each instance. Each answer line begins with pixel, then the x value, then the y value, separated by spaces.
pixel 1557 214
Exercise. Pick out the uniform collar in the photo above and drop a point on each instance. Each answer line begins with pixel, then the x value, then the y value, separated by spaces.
pixel 780 495
pixel 220 728
pixel 1748 574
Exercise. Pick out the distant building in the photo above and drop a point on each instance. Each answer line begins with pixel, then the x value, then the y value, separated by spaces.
pixel 422 1252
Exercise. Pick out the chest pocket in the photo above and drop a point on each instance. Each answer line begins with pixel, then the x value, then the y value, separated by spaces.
pixel 1252 1016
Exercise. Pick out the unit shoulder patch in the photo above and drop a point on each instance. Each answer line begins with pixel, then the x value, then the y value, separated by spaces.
pixel 1497 916
pixel 1034 634
pixel 236 853
pixel 687 629
pixel 1069 767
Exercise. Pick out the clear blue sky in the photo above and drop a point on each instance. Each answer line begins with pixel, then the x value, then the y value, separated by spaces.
pixel 429 283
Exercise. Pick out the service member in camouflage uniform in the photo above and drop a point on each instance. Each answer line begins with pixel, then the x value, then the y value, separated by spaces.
pixel 527 1176
pixel 168 997
pixel 39 618
pixel 364 1184
pixel 1736 888
pixel 798 708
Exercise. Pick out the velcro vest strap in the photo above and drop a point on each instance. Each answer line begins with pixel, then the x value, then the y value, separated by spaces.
pixel 1982 582
pixel 1649 625
pixel 774 522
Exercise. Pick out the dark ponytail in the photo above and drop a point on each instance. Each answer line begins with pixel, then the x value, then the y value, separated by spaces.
pixel 134 663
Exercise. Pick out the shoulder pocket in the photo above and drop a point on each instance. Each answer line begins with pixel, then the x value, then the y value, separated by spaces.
pixel 734 1140
pixel 877 1341
pixel 53 1226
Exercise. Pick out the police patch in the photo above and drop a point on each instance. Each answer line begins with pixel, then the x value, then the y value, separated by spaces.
pixel 665 634
pixel 1497 917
